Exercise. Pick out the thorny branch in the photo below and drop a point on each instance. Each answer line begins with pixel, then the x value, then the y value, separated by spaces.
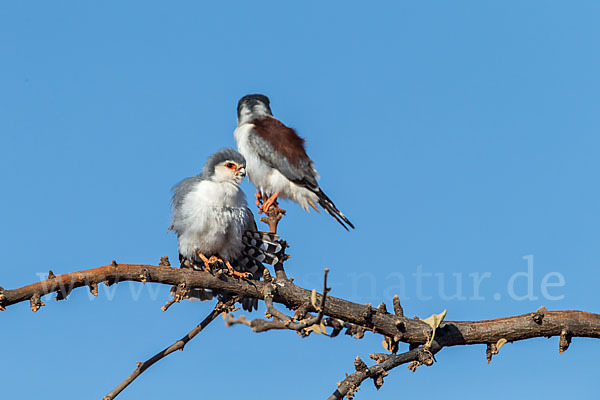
pixel 178 345
pixel 330 311
pixel 297 323
pixel 377 372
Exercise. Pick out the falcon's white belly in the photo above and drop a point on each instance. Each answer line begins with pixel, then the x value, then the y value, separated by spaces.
pixel 212 219
pixel 269 180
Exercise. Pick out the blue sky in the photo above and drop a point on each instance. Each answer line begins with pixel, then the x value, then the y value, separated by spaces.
pixel 461 138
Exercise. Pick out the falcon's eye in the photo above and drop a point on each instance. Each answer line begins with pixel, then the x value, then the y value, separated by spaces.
pixel 230 165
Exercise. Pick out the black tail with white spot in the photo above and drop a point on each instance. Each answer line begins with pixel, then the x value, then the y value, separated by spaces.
pixel 259 248
pixel 328 206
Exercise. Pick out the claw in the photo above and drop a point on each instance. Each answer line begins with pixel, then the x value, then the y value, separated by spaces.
pixel 214 259
pixel 259 199
pixel 270 202
pixel 233 272
pixel 205 260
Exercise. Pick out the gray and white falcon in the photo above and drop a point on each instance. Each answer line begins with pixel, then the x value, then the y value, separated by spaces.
pixel 214 224
pixel 277 162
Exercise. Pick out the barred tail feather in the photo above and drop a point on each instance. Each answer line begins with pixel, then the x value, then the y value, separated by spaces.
pixel 259 248
pixel 263 247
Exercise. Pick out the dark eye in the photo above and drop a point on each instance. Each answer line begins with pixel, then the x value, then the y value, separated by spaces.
pixel 230 165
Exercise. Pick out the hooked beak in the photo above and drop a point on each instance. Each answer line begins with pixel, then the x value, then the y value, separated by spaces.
pixel 241 172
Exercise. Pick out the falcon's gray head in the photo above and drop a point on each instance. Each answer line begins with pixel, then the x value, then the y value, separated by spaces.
pixel 226 165
pixel 253 106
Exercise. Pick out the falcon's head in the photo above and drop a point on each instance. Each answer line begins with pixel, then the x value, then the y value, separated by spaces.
pixel 226 165
pixel 253 106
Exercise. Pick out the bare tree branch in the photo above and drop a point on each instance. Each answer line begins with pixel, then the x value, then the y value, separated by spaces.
pixel 284 321
pixel 330 311
pixel 377 372
pixel 451 333
pixel 178 345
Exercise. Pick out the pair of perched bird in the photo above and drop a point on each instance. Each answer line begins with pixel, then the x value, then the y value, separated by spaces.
pixel 210 213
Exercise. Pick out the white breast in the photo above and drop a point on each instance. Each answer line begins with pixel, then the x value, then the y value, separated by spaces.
pixel 211 219
pixel 259 173
pixel 266 179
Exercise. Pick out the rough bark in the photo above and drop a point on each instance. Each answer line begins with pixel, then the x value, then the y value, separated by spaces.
pixel 331 311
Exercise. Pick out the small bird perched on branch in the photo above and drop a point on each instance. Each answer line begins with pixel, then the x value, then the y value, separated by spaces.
pixel 215 226
pixel 277 162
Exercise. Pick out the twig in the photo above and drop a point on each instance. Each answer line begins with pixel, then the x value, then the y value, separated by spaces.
pixel 178 345
pixel 384 363
pixel 283 321
pixel 321 309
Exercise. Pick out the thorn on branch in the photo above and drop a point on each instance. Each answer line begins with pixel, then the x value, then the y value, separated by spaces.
pixel 355 330
pixel 164 262
pixel 538 316
pixel 367 314
pixel 382 309
pixel 93 286
pixel 565 341
pixel 397 307
pixel 114 264
pixel 179 292
pixel 378 379
pixel 493 349
pixel 51 275
pixel 390 344
pixel 490 351
pixel 413 366
pixel 359 365
pixel 35 302
pixel 380 357
pixel 351 390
